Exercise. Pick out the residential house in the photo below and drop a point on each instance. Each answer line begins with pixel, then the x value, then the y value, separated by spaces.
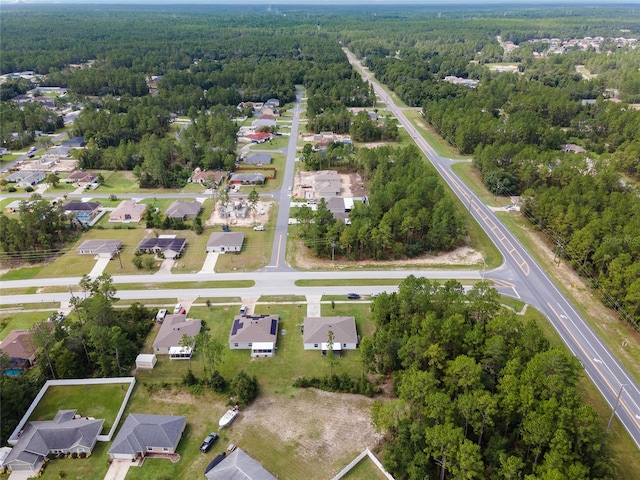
pixel 247 179
pixel 272 103
pixel 74 142
pixel 65 434
pixel 223 242
pixel 83 211
pixel 258 137
pixel 264 120
pixel 100 248
pixel 81 178
pixel 142 434
pixel 128 211
pixel 206 177
pixel 257 333
pixel 26 178
pixel 171 331
pixel 316 330
pixel 337 207
pixel 169 246
pixel 327 183
pixel 184 210
pixel 572 148
pixel 258 159
pixel 238 466
pixel 19 348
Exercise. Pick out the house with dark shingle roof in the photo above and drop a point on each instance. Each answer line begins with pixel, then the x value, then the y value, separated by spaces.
pixel 143 433
pixel 169 246
pixel 247 179
pixel 83 211
pixel 257 333
pixel 316 333
pixel 66 434
pixel 258 159
pixel 19 348
pixel 184 210
pixel 100 248
pixel 238 466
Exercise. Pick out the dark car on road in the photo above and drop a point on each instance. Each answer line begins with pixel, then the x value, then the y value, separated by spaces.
pixel 208 442
pixel 353 296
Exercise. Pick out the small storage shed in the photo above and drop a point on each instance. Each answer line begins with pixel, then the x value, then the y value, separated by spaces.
pixel 145 361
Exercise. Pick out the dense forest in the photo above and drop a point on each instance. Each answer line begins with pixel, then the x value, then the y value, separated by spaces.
pixel 406 214
pixel 480 394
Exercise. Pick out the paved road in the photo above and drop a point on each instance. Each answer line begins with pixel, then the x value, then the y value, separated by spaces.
pixel 535 287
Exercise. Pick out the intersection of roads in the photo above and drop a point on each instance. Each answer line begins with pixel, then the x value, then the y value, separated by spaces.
pixel 519 276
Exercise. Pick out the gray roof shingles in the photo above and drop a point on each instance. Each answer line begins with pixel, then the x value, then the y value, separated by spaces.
pixel 140 431
pixel 239 466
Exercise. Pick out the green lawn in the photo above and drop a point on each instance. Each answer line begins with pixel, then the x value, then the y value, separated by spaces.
pixel 21 321
pixel 98 401
pixel 95 466
pixel 365 469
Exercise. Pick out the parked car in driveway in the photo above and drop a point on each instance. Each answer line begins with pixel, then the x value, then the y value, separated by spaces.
pixel 208 442
pixel 353 296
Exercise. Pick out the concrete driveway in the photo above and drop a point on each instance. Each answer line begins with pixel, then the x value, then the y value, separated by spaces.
pixel 118 469
pixel 99 267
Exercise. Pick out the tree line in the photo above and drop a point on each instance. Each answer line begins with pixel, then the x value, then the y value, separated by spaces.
pixel 478 392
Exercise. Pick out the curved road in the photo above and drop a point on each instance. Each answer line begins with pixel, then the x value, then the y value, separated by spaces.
pixel 520 276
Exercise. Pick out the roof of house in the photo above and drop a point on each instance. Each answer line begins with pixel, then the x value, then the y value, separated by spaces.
pixel 259 136
pixel 59 152
pixel 217 175
pixel 172 329
pixel 140 431
pixel 226 239
pixel 248 177
pixel 163 244
pixel 254 328
pixel 181 209
pixel 100 246
pixel 26 175
pixel 18 344
pixel 64 432
pixel 258 159
pixel 80 206
pixel 79 176
pixel 336 205
pixel 238 466
pixel 316 329
pixel 73 142
pixel 129 207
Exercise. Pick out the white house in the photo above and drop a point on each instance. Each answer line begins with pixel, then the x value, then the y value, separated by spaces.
pixel 257 333
pixel 316 330
pixel 223 242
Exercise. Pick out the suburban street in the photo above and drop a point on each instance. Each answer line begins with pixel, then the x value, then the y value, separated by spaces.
pixel 520 276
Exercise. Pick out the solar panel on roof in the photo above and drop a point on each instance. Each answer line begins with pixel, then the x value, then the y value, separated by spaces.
pixel 237 325
pixel 274 326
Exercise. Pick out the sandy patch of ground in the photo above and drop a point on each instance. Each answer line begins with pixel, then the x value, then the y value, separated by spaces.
pixel 351 183
pixel 459 256
pixel 261 215
pixel 315 437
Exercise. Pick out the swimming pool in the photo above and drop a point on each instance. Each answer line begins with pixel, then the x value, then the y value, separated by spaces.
pixel 12 372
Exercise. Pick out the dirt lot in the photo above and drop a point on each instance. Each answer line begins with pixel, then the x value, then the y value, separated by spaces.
pixel 352 185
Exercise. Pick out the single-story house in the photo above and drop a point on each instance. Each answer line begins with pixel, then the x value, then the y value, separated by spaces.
pixel 184 210
pixel 81 178
pixel 100 248
pixel 316 333
pixel 264 120
pixel 57 153
pixel 572 148
pixel 128 211
pixel 238 466
pixel 75 142
pixel 258 159
pixel 66 434
pixel 26 178
pixel 328 189
pixel 17 345
pixel 223 242
pixel 258 333
pixel 169 246
pixel 83 211
pixel 142 434
pixel 207 176
pixel 259 137
pixel 247 179
pixel 272 103
pixel 171 331
pixel 146 361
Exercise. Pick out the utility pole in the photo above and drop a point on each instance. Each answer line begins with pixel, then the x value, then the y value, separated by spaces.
pixel 615 406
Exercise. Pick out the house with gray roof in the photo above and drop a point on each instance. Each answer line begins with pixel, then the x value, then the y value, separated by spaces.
pixel 238 466
pixel 26 178
pixel 142 434
pixel 224 242
pixel 67 433
pixel 184 210
pixel 83 211
pixel 19 348
pixel 257 333
pixel 171 331
pixel 169 246
pixel 316 333
pixel 258 159
pixel 247 179
pixel 100 248
pixel 128 211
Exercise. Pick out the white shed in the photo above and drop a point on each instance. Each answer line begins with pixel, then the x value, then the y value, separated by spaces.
pixel 145 361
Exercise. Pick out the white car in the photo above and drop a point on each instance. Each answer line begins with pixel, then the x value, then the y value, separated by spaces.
pixel 259 228
pixel 177 308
